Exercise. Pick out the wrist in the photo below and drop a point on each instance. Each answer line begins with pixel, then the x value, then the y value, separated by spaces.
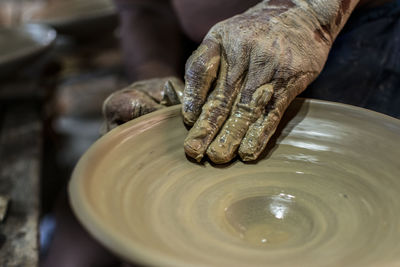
pixel 328 15
pixel 331 14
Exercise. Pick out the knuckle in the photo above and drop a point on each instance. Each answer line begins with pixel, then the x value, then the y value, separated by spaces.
pixel 218 101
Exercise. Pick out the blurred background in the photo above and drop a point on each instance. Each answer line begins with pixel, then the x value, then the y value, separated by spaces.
pixel 59 60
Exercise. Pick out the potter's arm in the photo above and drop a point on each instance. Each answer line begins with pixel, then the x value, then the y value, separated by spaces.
pixel 248 69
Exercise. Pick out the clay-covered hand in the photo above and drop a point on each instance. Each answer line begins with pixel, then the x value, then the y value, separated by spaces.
pixel 249 68
pixel 141 98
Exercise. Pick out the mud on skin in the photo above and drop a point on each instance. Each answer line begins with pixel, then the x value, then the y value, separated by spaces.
pixel 249 68
pixel 141 98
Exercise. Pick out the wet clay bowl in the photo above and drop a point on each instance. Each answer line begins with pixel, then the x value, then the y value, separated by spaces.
pixel 325 194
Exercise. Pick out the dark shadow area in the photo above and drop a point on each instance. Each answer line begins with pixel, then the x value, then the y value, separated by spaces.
pixel 192 160
pixel 234 161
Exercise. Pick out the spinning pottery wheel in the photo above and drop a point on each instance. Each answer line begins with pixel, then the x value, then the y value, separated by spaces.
pixel 325 194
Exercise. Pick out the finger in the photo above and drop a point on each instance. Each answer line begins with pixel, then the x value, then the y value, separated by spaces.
pixel 170 96
pixel 201 71
pixel 215 111
pixel 178 87
pixel 260 132
pixel 224 147
pixel 125 105
pixel 152 87
pixel 249 106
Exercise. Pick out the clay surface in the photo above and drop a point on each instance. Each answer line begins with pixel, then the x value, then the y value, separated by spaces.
pixel 325 194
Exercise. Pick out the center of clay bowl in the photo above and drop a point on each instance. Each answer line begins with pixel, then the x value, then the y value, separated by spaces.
pixel 274 221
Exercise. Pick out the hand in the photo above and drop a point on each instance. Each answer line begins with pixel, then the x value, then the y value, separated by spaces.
pixel 254 64
pixel 141 98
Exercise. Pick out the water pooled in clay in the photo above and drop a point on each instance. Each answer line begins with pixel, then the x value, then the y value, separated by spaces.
pixel 269 221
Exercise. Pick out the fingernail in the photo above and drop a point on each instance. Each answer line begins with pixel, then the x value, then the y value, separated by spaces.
pixel 194 148
pixel 218 156
pixel 189 117
pixel 247 152
pixel 248 157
